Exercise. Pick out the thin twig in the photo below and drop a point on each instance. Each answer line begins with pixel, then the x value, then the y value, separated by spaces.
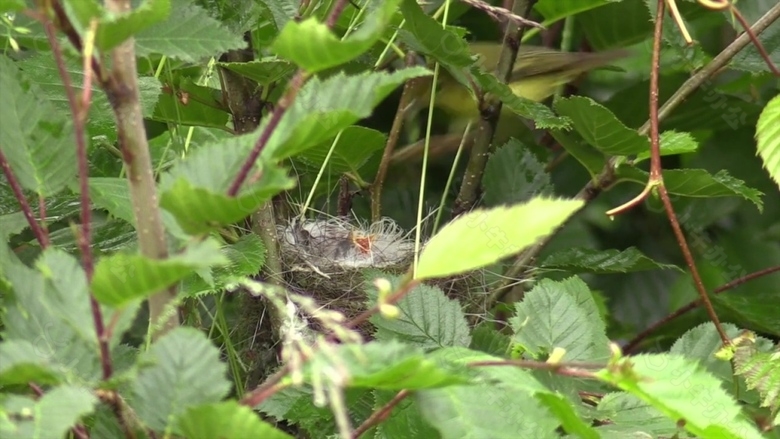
pixel 637 340
pixel 578 370
pixel 491 111
pixel 380 415
pixel 502 14
pixel 406 100
pixel 80 109
pixel 40 235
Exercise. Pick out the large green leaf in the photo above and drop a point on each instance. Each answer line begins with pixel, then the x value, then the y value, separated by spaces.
pixel 182 369
pixel 195 189
pixel 246 257
pixel 201 108
pixel 354 147
pixel 623 414
pixel 188 34
pixel 768 137
pixel 324 107
pixel 561 315
pixel 416 324
pixel 112 194
pixel 554 10
pixel 313 47
pixel 36 139
pixel 225 419
pixel 49 308
pixel 263 71
pixel 21 363
pixel 600 128
pixel 696 183
pixel 488 236
pixel 56 412
pixel 680 389
pixel 616 24
pixel 671 143
pixel 513 175
pixel 123 278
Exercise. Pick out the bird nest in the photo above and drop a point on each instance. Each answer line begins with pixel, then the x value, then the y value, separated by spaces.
pixel 325 259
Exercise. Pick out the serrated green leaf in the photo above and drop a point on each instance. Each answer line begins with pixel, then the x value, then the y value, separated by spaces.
pixel 768 137
pixel 672 143
pixel 246 257
pixel 112 194
pixel 324 107
pixel 194 189
pixel 488 236
pixel 570 420
pixel 591 158
pixel 388 365
pixel 21 363
pixel 182 370
pixel 51 416
pixel 404 420
pixel 189 34
pixel 355 146
pixel 313 47
pixel 672 384
pixel 561 315
pixel 697 183
pixel 500 406
pixel 225 419
pixel 626 414
pixel 486 339
pixel 416 324
pixel 201 109
pixel 542 116
pixel 49 307
pixel 600 128
pixel 36 139
pixel 760 369
pixel 123 278
pixel 263 71
pixel 587 260
pixel 513 175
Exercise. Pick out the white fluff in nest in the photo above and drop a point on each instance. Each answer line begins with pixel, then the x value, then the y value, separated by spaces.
pixel 337 243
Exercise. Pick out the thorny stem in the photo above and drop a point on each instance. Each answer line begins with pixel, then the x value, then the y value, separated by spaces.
pixel 380 415
pixel 637 340
pixel 284 104
pixel 40 235
pixel 491 111
pixel 606 177
pixel 80 109
pixel 392 140
pixel 122 89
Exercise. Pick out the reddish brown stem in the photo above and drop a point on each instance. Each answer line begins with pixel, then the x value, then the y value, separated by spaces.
pixel 40 234
pixel 755 40
pixel 380 415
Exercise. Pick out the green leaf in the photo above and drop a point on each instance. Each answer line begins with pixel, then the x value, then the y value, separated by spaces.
pixel 626 414
pixel 202 108
pixel 21 362
pixel 587 260
pixel 672 143
pixel 600 127
pixel 182 369
pixel 188 34
pixel 263 71
pixel 49 308
pixel 404 418
pixel 561 315
pixel 697 183
pixel 355 146
pixel 195 188
pixel 416 324
pixel 388 365
pixel 12 6
pixel 591 158
pixel 324 107
pixel 760 369
pixel 313 47
pixel 571 421
pixel 488 236
pixel 225 419
pixel 36 139
pixel 554 10
pixel 485 338
pixel 513 175
pixel 672 384
pixel 542 116
pixel 112 194
pixel 768 137
pixel 500 406
pixel 123 278
pixel 246 257
pixel 56 412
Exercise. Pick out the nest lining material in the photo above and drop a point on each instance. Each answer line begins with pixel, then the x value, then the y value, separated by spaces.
pixel 324 259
